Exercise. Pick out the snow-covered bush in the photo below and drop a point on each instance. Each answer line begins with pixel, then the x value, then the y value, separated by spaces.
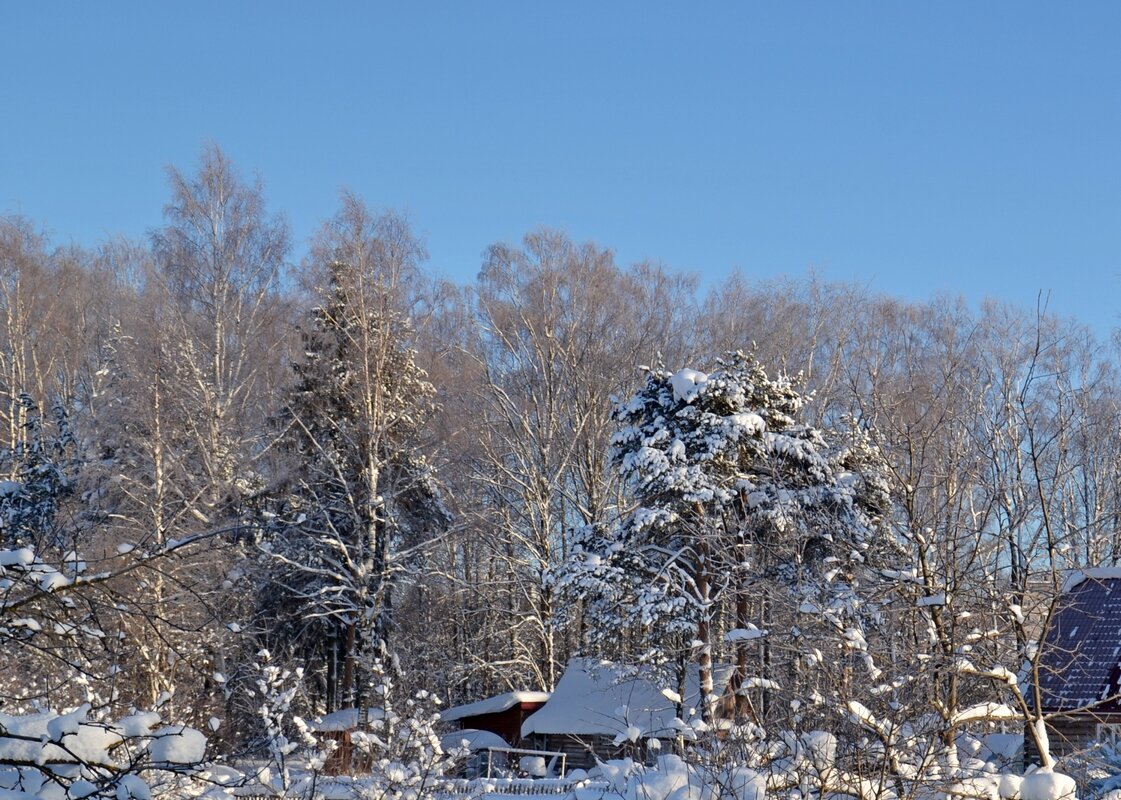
pixel 276 689
pixel 403 749
pixel 1046 784
pixel 71 754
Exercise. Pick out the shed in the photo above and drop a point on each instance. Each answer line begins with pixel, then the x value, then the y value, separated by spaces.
pixel 1080 663
pixel 339 726
pixel 502 714
pixel 601 710
pixel 487 752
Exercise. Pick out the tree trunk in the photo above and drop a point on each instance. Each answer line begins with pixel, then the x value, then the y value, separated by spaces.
pixel 704 633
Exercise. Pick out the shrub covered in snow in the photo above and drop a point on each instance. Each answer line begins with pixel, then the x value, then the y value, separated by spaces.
pixel 73 755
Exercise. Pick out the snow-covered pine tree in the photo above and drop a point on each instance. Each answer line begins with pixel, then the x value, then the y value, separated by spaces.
pixel 43 465
pixel 736 502
pixel 359 495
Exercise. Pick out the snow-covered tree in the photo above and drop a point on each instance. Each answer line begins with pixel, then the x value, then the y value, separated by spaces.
pixel 358 497
pixel 737 504
pixel 531 356
pixel 217 271
pixel 401 746
pixel 55 755
pixel 53 312
pixel 44 465
pixel 172 419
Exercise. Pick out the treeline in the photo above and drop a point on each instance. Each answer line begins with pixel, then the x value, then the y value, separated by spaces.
pixel 210 449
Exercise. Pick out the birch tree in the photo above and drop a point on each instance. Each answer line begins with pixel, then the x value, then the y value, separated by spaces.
pixel 359 500
pixel 557 328
pixel 218 261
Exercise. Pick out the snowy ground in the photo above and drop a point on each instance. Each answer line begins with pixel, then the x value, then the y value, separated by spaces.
pixel 673 779
pixel 66 756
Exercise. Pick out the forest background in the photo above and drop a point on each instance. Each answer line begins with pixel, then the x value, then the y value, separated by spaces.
pixel 210 452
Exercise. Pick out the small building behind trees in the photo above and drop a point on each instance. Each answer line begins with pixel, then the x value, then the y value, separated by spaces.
pixel 1080 664
pixel 340 727
pixel 502 715
pixel 601 710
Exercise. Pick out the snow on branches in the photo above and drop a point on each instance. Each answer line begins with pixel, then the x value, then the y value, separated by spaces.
pixel 732 493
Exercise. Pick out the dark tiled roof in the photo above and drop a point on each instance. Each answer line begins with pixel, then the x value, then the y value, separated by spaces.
pixel 1082 649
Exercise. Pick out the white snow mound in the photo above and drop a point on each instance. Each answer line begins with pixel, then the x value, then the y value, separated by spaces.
pixel 1045 784
pixel 177 745
pixel 687 384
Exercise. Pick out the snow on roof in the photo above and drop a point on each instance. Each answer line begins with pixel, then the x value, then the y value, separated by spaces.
pixel 599 698
pixel 493 705
pixel 345 719
pixel 1001 746
pixel 1077 576
pixel 476 740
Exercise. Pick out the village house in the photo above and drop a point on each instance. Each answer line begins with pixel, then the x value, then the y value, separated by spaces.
pixel 600 710
pixel 502 715
pixel 1080 664
pixel 490 729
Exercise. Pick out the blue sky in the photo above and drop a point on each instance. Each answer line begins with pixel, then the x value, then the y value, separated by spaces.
pixel 914 148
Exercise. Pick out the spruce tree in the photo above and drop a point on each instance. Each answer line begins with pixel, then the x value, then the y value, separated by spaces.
pixel 358 494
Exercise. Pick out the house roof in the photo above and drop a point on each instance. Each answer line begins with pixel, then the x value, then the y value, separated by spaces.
pixel 345 719
pixel 473 740
pixel 493 705
pixel 1079 662
pixel 600 698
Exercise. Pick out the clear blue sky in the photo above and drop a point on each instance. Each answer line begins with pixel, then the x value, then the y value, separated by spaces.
pixel 914 148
